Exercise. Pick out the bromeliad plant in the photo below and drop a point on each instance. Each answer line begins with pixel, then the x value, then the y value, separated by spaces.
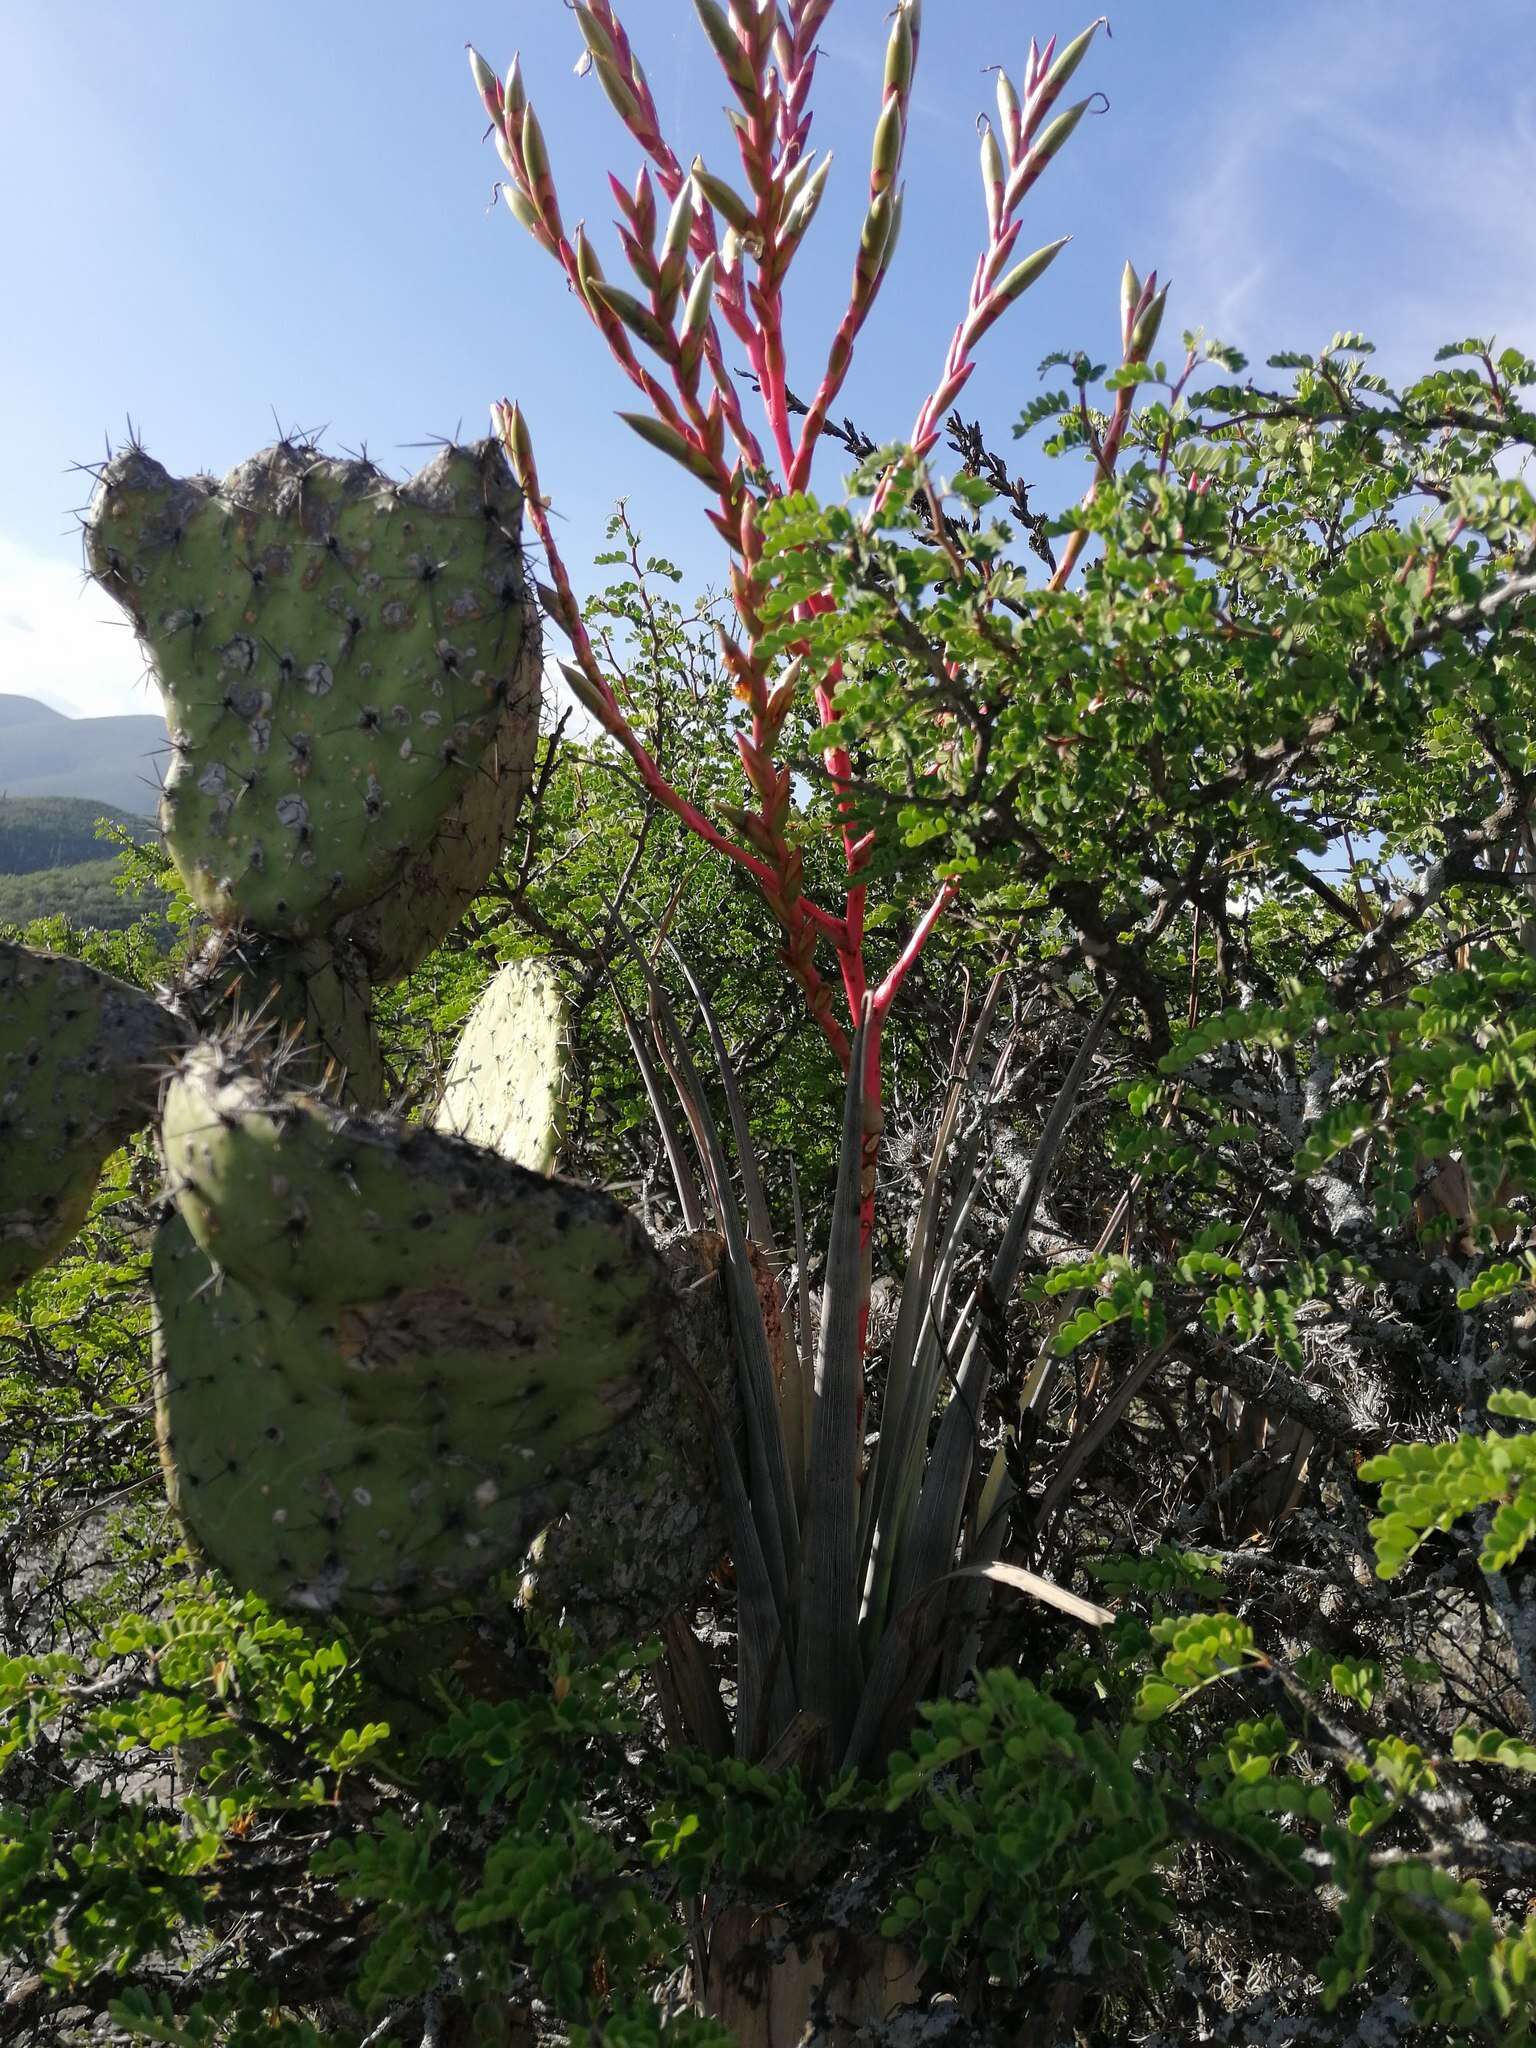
pixel 712 274
pixel 838 1566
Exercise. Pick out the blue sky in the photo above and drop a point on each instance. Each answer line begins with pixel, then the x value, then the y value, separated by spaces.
pixel 217 212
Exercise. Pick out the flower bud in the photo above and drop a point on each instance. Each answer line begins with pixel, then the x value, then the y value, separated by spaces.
pixel 640 206
pixel 802 209
pixel 728 203
pixel 900 54
pixel 873 236
pixel 587 693
pixel 747 827
pixel 1008 114
pixel 520 208
pixel 672 443
pixel 1009 288
pixel 639 319
pixel 885 155
pixel 487 84
pixel 1130 298
pixel 589 271
pixel 512 432
pixel 1065 65
pixel 696 310
pixel 993 174
pixel 782 696
pixel 535 154
pixel 514 98
pixel 1056 135
pixel 734 60
pixel 596 37
pixel 674 243
pixel 616 86
pixel 1145 334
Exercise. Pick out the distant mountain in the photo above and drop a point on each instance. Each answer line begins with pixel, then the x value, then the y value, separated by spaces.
pixel 41 832
pixel 114 763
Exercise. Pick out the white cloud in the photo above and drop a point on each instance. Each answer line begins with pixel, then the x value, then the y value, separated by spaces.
pixel 64 641
pixel 1372 185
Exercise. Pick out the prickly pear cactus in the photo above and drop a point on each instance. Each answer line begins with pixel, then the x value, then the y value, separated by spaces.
pixel 81 1055
pixel 340 656
pixel 507 1084
pixel 406 1350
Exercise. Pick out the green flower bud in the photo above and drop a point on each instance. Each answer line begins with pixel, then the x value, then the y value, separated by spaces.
pixel 639 319
pixel 1146 327
pixel 885 156
pixel 728 203
pixel 1056 135
pixel 734 60
pixel 672 443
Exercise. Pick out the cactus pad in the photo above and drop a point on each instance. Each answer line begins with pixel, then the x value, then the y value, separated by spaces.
pixel 506 1087
pixel 81 1054
pixel 411 1349
pixel 339 655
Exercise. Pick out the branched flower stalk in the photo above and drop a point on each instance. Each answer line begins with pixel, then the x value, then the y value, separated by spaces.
pixel 708 260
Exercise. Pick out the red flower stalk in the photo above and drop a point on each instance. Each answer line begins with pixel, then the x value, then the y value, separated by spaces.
pixel 717 263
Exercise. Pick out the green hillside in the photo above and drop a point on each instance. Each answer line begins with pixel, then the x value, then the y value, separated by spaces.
pixel 43 832
pixel 83 893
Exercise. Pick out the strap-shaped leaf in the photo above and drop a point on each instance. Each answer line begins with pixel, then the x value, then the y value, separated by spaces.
pixel 830 1657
